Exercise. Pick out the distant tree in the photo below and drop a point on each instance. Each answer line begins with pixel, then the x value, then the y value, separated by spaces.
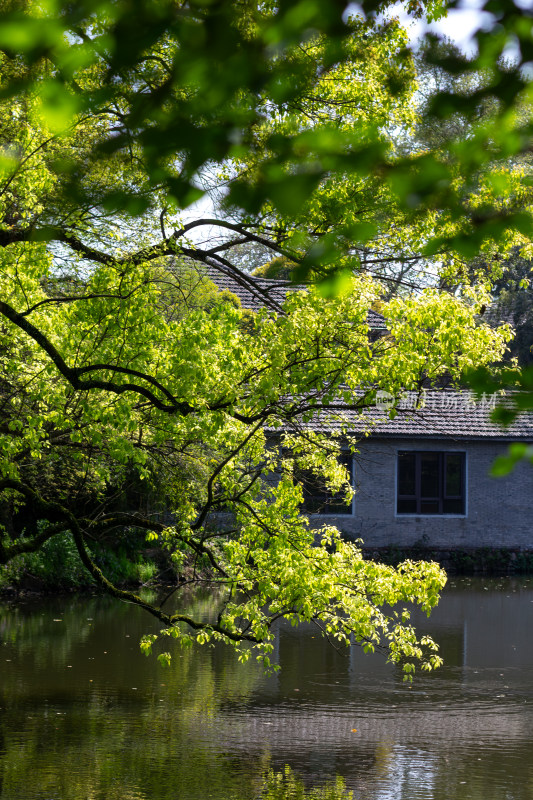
pixel 513 303
pixel 279 268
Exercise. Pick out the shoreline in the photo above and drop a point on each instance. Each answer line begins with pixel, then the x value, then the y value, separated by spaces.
pixel 498 562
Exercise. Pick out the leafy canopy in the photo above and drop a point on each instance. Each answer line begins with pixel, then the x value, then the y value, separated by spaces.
pixel 120 363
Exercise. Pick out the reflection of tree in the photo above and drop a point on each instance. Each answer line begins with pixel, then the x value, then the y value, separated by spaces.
pixel 197 728
pixel 45 636
pixel 96 752
pixel 113 742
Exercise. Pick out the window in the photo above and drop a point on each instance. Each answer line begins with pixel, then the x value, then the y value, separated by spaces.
pixel 317 498
pixel 430 482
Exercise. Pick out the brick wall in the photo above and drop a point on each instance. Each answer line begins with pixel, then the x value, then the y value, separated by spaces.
pixel 499 511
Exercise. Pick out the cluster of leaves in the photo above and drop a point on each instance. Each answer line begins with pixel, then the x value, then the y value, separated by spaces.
pixel 301 132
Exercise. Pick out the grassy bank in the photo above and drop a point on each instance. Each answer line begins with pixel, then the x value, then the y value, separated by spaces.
pixel 57 566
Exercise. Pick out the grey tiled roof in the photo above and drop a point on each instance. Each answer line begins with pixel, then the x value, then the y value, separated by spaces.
pixel 376 321
pixel 255 293
pixel 252 292
pixel 446 414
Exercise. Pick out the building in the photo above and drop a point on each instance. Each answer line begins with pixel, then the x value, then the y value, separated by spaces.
pixel 422 479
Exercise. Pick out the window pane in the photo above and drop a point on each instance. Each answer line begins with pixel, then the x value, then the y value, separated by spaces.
pixel 313 505
pixel 429 474
pixel 453 506
pixel 314 491
pixel 338 505
pixel 406 473
pixel 317 499
pixel 454 478
pixel 430 483
pixel 429 507
pixel 406 505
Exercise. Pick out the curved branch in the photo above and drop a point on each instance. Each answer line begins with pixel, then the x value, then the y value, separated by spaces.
pixel 216 472
pixel 75 298
pixel 69 522
pixel 72 374
pixel 236 228
pixel 120 519
pixel 169 620
pixel 29 545
pixel 242 278
pixel 168 247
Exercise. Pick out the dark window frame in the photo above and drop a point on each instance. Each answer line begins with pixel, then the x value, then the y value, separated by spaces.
pixel 419 501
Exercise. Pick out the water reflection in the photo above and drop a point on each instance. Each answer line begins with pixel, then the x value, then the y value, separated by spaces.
pixel 85 715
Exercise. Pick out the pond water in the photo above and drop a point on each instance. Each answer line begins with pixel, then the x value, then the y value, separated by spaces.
pixel 83 714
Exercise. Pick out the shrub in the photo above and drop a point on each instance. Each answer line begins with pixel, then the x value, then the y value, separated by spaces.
pixel 55 564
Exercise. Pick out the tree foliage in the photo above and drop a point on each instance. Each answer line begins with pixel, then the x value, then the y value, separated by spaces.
pixel 118 358
pixel 513 302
